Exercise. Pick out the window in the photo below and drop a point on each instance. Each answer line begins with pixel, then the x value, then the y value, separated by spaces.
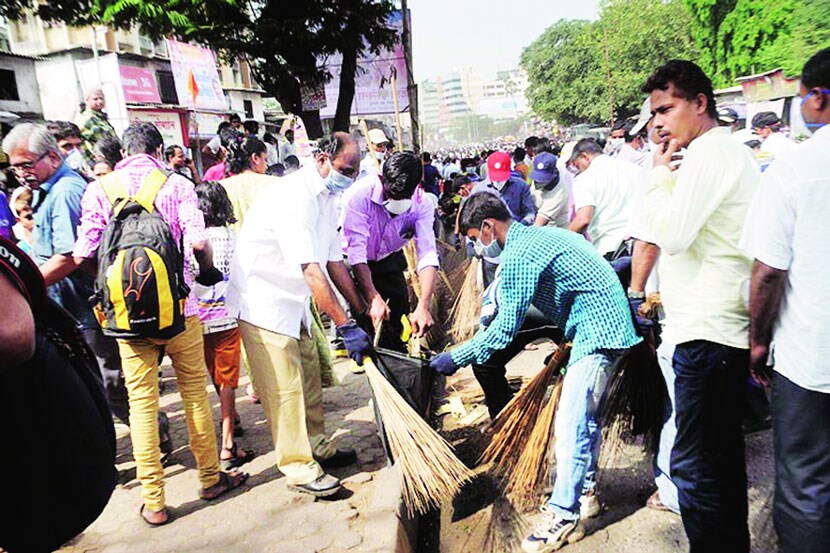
pixel 8 85
pixel 167 87
pixel 249 109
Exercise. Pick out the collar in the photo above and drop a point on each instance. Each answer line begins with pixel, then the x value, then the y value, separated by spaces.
pixel 56 176
pixel 98 113
pixel 514 229
pixel 376 194
pixel 506 184
pixel 138 159
pixel 316 183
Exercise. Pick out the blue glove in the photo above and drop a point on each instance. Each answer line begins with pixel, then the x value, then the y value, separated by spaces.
pixel 444 364
pixel 643 323
pixel 357 341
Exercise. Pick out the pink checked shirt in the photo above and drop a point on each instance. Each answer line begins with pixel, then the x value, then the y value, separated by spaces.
pixel 176 203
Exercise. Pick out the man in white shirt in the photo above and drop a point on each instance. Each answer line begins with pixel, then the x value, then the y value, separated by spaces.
pixel 290 235
pixel 550 193
pixel 786 233
pixel 695 214
pixel 287 148
pixel 634 150
pixel 601 193
pixel 378 145
pixel 767 125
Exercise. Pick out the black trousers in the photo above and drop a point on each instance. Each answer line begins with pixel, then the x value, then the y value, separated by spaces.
pixel 801 431
pixel 390 282
pixel 491 375
pixel 708 462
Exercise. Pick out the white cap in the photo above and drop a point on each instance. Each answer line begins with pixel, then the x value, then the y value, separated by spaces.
pixel 376 136
pixel 645 117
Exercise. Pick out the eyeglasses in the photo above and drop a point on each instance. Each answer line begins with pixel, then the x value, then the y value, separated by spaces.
pixel 27 166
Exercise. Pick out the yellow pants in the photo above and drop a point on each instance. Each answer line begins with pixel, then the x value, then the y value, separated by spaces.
pixel 139 360
pixel 286 375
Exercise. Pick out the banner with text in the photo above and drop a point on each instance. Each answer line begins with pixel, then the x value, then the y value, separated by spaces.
pixel 196 75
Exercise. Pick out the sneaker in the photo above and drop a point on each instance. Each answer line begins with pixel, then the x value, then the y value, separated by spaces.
pixel 589 506
pixel 552 534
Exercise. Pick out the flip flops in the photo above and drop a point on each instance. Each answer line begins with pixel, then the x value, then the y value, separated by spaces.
pixel 227 481
pixel 155 524
pixel 236 460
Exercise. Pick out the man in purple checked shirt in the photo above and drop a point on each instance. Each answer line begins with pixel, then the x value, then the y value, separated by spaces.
pixel 382 214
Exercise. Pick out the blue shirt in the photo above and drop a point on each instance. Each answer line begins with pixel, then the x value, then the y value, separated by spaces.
pixel 516 194
pixel 6 217
pixel 57 214
pixel 563 276
pixel 431 178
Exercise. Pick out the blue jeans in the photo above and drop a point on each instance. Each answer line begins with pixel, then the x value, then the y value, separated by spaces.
pixel 577 430
pixel 708 462
pixel 662 461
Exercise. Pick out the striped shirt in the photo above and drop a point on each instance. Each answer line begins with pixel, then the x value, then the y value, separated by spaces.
pixel 562 275
pixel 176 203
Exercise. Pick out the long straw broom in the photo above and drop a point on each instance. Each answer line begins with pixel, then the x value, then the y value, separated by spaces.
pixel 465 311
pixel 514 426
pixel 428 470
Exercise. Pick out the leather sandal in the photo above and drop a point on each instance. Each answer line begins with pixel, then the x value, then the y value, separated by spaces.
pixel 236 460
pixel 227 481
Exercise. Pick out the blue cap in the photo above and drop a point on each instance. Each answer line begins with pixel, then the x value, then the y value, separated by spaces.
pixel 544 168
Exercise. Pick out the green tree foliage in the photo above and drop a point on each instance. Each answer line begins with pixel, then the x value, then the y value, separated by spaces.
pixel 567 67
pixel 283 41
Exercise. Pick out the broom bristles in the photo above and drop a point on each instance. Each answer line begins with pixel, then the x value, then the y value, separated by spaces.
pixel 428 470
pixel 533 466
pixel 467 306
pixel 515 424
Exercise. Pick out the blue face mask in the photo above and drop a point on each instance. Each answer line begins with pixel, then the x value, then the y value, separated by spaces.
pixel 337 182
pixel 493 249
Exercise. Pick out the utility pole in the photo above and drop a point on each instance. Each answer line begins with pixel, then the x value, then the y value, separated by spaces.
pixel 411 87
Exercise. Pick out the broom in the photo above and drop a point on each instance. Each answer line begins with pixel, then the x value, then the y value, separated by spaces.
pixel 428 470
pixel 515 425
pixel 466 308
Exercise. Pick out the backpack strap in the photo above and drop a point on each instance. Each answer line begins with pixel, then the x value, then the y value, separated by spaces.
pixel 115 191
pixel 153 182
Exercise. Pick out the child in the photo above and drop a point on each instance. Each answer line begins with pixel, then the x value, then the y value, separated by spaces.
pixel 222 338
pixel 21 206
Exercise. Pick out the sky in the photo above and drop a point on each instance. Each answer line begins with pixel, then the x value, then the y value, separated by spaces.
pixel 488 35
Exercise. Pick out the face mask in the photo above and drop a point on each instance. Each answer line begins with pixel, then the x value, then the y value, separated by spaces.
pixel 493 249
pixel 499 184
pixel 337 182
pixel 616 142
pixel 74 159
pixel 396 207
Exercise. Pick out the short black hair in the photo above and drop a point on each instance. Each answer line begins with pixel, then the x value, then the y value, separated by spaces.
pixel 251 126
pixel 542 145
pixel 61 130
pixel 586 146
pixel 108 149
pixel 530 142
pixel 816 72
pixel 629 126
pixel 234 117
pixel 141 138
pixel 480 206
pixel 519 154
pixel 215 204
pixel 170 151
pixel 275 170
pixel 289 132
pixel 401 174
pixel 222 125
pixel 229 135
pixel 291 162
pixel 268 138
pixel 766 119
pixel 688 79
pixel 426 157
pixel 240 152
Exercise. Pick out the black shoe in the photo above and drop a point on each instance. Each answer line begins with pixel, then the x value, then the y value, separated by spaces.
pixel 324 486
pixel 341 458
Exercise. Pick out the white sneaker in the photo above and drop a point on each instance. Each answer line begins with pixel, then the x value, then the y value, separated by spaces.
pixel 589 506
pixel 552 534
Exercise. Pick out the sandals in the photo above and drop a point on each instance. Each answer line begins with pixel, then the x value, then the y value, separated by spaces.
pixel 227 481
pixel 236 460
pixel 655 503
pixel 166 511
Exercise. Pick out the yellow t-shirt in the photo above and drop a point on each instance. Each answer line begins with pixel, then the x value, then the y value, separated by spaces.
pixel 242 189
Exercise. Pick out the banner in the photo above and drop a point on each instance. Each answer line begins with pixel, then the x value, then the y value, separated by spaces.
pixel 196 75
pixel 169 124
pixel 139 85
pixel 373 86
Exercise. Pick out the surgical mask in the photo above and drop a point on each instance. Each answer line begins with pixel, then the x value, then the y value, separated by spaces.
pixel 616 142
pixel 74 159
pixel 493 249
pixel 499 184
pixel 396 207
pixel 337 182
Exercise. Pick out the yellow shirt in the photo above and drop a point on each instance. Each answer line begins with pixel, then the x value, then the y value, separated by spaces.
pixel 242 189
pixel 697 215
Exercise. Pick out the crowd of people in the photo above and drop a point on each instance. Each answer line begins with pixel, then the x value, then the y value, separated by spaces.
pixel 234 267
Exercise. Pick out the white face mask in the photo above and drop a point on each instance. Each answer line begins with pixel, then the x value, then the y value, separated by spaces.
pixel 74 159
pixel 616 142
pixel 499 184
pixel 396 207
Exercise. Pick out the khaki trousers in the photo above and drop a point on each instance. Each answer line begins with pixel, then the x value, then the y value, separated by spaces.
pixel 139 360
pixel 286 374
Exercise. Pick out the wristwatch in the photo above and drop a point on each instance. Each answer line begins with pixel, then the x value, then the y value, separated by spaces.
pixel 632 295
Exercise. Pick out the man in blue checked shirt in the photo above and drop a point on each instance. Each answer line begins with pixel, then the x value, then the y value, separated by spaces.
pixel 563 276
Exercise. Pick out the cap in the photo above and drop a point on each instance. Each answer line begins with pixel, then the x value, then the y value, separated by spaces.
pixel 727 115
pixel 567 150
pixel 766 119
pixel 376 136
pixel 498 166
pixel 544 168
pixel 643 119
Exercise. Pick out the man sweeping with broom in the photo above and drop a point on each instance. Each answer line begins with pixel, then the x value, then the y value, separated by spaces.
pixel 563 276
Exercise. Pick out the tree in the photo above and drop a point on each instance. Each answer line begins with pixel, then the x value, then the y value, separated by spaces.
pixel 283 41
pixel 567 68
pixel 707 18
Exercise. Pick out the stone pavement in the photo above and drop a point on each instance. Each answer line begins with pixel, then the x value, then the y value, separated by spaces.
pixel 263 515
